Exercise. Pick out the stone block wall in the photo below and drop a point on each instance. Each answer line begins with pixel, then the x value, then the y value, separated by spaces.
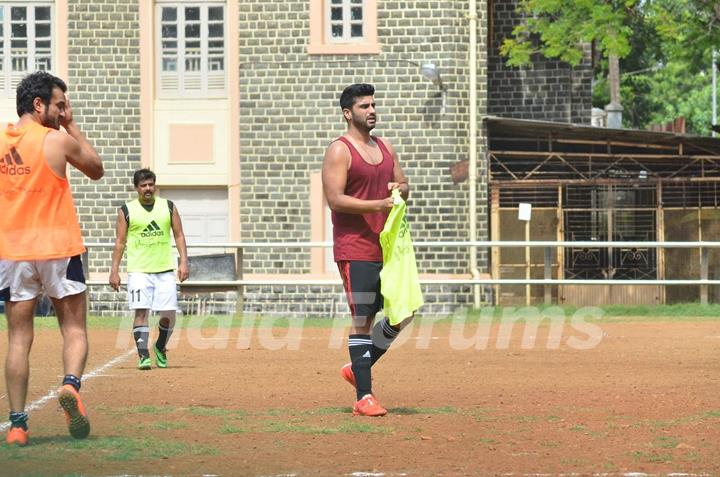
pixel 547 90
pixel 104 90
pixel 289 114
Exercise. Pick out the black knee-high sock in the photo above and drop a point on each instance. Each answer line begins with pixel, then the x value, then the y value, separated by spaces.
pixel 163 336
pixel 383 334
pixel 360 347
pixel 142 335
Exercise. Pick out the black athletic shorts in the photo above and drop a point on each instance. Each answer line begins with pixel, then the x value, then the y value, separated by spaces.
pixel 362 287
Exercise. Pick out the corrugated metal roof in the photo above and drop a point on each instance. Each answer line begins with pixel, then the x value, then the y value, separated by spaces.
pixel 508 128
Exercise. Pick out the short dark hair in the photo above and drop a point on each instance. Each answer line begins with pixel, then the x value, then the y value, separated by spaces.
pixel 357 90
pixel 39 84
pixel 143 175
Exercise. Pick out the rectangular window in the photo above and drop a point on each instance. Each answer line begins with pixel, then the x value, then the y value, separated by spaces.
pixel 342 27
pixel 25 42
pixel 191 49
pixel 344 21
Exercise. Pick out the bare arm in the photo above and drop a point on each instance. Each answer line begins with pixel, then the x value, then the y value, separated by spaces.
pixel 183 269
pixel 334 178
pixel 73 148
pixel 121 228
pixel 83 156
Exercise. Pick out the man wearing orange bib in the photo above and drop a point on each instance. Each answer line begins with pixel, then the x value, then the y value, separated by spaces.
pixel 40 241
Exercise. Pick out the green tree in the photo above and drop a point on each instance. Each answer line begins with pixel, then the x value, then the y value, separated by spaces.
pixel 664 48
pixel 690 29
pixel 560 28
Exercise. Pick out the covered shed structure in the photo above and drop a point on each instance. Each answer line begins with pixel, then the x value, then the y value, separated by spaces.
pixel 586 183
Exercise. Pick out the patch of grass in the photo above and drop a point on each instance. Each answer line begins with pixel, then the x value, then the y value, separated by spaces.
pixel 149 409
pixel 651 457
pixel 553 418
pixel 526 418
pixel 208 411
pixel 351 427
pixel 487 440
pixel 423 410
pixel 481 414
pixel 127 448
pixel 609 467
pixel 203 450
pixel 578 428
pixel 324 411
pixel 692 457
pixel 607 313
pixel 14 453
pixel 550 444
pixel 693 418
pixel 666 442
pixel 168 425
pixel 230 429
pixel 662 423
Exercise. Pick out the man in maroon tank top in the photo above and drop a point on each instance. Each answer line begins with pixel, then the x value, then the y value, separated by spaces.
pixel 359 171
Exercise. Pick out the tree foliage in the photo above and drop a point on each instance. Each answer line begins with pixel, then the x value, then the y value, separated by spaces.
pixel 690 29
pixel 560 28
pixel 665 49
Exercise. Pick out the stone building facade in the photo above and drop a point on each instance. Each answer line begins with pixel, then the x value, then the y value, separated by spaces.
pixel 275 117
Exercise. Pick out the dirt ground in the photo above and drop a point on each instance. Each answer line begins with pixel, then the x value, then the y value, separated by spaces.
pixel 644 398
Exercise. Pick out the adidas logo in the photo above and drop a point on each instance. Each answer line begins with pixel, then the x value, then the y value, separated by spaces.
pixel 367 355
pixel 11 162
pixel 152 230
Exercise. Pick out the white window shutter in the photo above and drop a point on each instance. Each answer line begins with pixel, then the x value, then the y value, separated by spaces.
pixel 198 60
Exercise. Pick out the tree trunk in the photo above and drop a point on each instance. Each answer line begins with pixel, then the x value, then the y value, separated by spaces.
pixel 614 109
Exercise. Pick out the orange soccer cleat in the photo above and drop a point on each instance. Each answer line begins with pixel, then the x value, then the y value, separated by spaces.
pixel 78 424
pixel 368 406
pixel 347 373
pixel 17 436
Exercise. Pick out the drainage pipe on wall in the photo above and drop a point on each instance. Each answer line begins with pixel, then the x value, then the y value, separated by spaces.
pixel 472 166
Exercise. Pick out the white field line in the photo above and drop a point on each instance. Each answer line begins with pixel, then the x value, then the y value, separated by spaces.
pixel 37 404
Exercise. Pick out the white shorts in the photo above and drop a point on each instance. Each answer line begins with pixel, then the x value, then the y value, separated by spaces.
pixel 26 279
pixel 152 291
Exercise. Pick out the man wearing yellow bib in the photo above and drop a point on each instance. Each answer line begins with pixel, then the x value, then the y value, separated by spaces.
pixel 144 224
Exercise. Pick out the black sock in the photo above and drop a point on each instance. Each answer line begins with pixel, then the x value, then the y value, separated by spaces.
pixel 163 336
pixel 360 347
pixel 383 334
pixel 72 380
pixel 19 419
pixel 142 335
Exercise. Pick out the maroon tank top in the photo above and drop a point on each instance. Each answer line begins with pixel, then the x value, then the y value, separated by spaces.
pixel 357 236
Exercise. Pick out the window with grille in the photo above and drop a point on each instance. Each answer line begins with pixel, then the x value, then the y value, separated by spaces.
pixel 25 42
pixel 191 49
pixel 344 21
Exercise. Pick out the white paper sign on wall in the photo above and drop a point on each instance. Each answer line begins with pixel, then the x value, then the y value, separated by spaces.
pixel 524 211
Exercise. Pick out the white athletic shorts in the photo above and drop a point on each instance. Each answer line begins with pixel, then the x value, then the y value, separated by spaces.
pixel 152 291
pixel 26 279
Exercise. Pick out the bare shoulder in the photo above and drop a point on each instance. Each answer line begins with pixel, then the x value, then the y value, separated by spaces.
pixel 59 142
pixel 337 151
pixel 57 147
pixel 388 144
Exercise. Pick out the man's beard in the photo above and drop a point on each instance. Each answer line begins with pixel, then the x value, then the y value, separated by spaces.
pixel 363 124
pixel 49 124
